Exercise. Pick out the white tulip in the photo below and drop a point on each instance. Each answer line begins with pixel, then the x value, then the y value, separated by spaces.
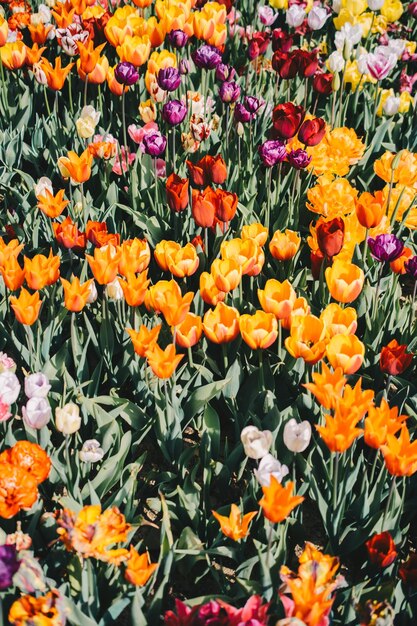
pixel 41 186
pixel 67 418
pixel 295 16
pixel 9 387
pixel 37 385
pixel 335 62
pixel 256 442
pixel 317 18
pixel 92 296
pixel 91 451
pixel 270 466
pixel 114 290
pixel 36 413
pixel 391 105
pixel 375 5
pixel 297 435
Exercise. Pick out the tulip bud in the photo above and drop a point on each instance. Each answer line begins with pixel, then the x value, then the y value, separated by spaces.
pixel 9 387
pixel 37 385
pixel 36 413
pixel 67 418
pixel 297 435
pixel 256 443
pixel 336 82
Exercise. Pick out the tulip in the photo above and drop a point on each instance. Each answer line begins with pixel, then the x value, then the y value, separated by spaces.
pixel 277 501
pixel 225 72
pixel 259 330
pixel 272 152
pixel 91 452
pixel 87 122
pixel 134 288
pixel 386 247
pixel 344 280
pixel 227 205
pixel 307 339
pixel 299 159
pixel 270 466
pixel 327 386
pixel 135 256
pixel 311 132
pixel 9 387
pixel 68 235
pixel 399 266
pixel 78 168
pixel 277 298
pixel 284 245
pixel 339 432
pixel 134 51
pixel 206 57
pixel 26 307
pixel 13 275
pixel 227 274
pixel 245 253
pixel 411 267
pixel 189 332
pixel 155 144
pixel 255 231
pixel 55 75
pixel 297 435
pixel 144 339
pixel 380 422
pixel 182 262
pixel 13 54
pixel 221 324
pixel 174 112
pixel 370 209
pixel 50 205
pixel 36 385
pixel 400 455
pixel 345 351
pixel 317 18
pixel 76 294
pixel 229 92
pixel 408 570
pixel 36 413
pixel 323 83
pixel 67 419
pixel 236 526
pixel 287 119
pixel 178 38
pixel 339 321
pixel 256 443
pixel 208 290
pixel 89 55
pixel 307 63
pixel 138 568
pixel 169 79
pixel 394 358
pixel 285 63
pixel 9 563
pixel 163 362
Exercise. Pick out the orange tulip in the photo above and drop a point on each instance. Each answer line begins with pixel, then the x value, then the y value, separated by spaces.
pixel 156 31
pixel 135 256
pixel 62 15
pixel 134 288
pixel 370 209
pixel 307 339
pixel 255 231
pixel 345 351
pixel 13 55
pixel 98 75
pixel 226 274
pixel 221 324
pixel 18 490
pixel 398 266
pixel 68 235
pixel 166 297
pixel 78 168
pixel 135 50
pixel 104 263
pixel 339 321
pixel 177 192
pixel 227 205
pixel 34 54
pixel 39 32
pixel 381 422
pixel 300 308
pixel 26 307
pixel 89 55
pixel 236 526
pixel 245 253
pixel 99 236
pixel 278 501
pixel 277 298
pixel 144 339
pixel 327 386
pixel 50 205
pixel 259 330
pixel 284 245
pixel 339 432
pixel 344 280
pixel 182 262
pixel 204 206
pixel 161 250
pixel 4 31
pixel 41 270
pixel 163 362
pixel 138 568
pixel 189 332
pixel 13 274
pixel 55 75
pixel 354 400
pixel 11 249
pixel 400 455
pixel 208 290
pixel 76 294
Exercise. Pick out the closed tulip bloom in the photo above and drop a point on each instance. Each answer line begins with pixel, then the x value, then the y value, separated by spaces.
pixel 163 362
pixel 307 339
pixel 169 78
pixel 287 119
pixel 400 454
pixel 9 387
pixel 134 50
pixel 380 422
pixel 182 262
pixel 278 501
pixel 370 209
pixel 37 385
pixel 4 30
pixel 331 236
pixel 134 288
pixel 13 275
pixel 272 152
pixel 155 144
pixel 26 307
pixel 344 280
pixel 135 256
pixel 209 293
pixel 221 324
pixel 189 332
pixel 41 270
pixel 227 205
pixel 245 253
pixel 284 245
pixel 299 159
pixel 13 54
pixel 345 351
pixel 52 205
pixel 312 131
pixel 76 294
pixel 381 550
pixel 339 321
pixel 36 413
pixel 300 308
pixel 78 168
pixel 270 466
pixel 144 339
pixel 277 298
pixel 116 87
pixel 259 330
pixel 227 274
pixel 236 526
pixel 104 264
pixel 161 250
pixel 215 169
pixel 177 192
pixel 67 418
pixel 394 358
pixel 297 435
pixel 256 443
pixel 255 231
pixel 89 55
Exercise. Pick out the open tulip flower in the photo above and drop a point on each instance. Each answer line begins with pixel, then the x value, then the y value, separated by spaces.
pixel 208 312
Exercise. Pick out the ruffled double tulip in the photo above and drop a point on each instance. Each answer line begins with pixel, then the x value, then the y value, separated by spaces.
pixel 259 330
pixel 76 294
pixel 144 339
pixel 277 298
pixel 284 245
pixel 104 264
pixel 345 351
pixel 163 362
pixel 41 270
pixel 78 168
pixel 221 324
pixel 134 288
pixel 344 280
pixel 26 307
pixel 307 339
pixel 226 274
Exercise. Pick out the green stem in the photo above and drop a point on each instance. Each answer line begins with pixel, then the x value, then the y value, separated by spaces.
pixel 48 108
pixel 335 479
pixel 390 495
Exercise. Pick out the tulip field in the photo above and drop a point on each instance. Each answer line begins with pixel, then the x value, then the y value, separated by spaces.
pixel 208 313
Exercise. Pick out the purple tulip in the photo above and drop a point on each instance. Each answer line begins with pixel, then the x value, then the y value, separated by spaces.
pixel 8 565
pixel 184 67
pixel 177 38
pixel 241 114
pixel 224 72
pixel 206 57
pixel 411 267
pixel 174 112
pixel 253 104
pixel 229 92
pixel 385 247
pixel 126 73
pixel 154 144
pixel 299 159
pixel 169 79
pixel 272 152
